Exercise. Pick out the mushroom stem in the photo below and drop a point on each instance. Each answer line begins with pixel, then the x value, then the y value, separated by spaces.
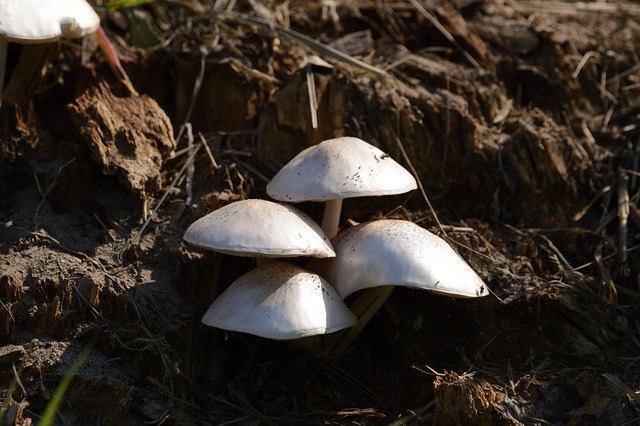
pixel 366 305
pixel 331 218
pixel 262 260
pixel 3 64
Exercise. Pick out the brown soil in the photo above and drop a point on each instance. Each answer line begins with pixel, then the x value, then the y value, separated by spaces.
pixel 523 133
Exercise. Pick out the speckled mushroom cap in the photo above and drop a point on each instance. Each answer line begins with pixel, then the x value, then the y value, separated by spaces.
pixel 36 21
pixel 339 168
pixel 259 228
pixel 280 301
pixel 401 253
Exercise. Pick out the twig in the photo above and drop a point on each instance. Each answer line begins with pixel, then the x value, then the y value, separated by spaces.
pixel 197 85
pixel 623 214
pixel 582 62
pixel 570 8
pixel 136 239
pixel 190 165
pixel 630 87
pixel 636 164
pixel 623 74
pixel 18 381
pixel 6 308
pixel 557 252
pixel 605 276
pixel 85 300
pixel 313 100
pixel 44 194
pixel 503 113
pixel 420 186
pixel 214 163
pixel 623 387
pixel 45 236
pixel 431 372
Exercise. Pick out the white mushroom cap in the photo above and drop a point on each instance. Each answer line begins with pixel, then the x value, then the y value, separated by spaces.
pixel 280 301
pixel 401 253
pixel 259 228
pixel 35 21
pixel 340 168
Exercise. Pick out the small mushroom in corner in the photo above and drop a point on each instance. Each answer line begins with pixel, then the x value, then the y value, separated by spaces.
pixel 36 21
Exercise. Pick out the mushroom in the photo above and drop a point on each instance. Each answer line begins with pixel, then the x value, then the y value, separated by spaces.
pixel 400 253
pixel 37 21
pixel 336 169
pixel 378 255
pixel 259 228
pixel 279 301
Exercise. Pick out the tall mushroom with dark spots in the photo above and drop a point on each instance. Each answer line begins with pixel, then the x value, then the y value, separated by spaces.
pixel 378 255
pixel 336 169
pixel 399 253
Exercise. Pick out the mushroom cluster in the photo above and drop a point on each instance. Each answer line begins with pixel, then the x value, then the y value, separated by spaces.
pixel 276 300
pixel 281 301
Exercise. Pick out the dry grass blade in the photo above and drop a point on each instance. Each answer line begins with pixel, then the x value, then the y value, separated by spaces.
pixel 45 193
pixel 191 168
pixel 191 158
pixel 214 163
pixel 313 101
pixel 583 62
pixel 197 85
pixel 114 60
pixel 605 276
pixel 419 183
pixel 306 41
pixel 623 214
pixel 601 193
pixel 635 396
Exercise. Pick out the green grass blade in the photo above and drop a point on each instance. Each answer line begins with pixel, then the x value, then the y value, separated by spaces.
pixel 122 4
pixel 49 414
pixel 142 33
